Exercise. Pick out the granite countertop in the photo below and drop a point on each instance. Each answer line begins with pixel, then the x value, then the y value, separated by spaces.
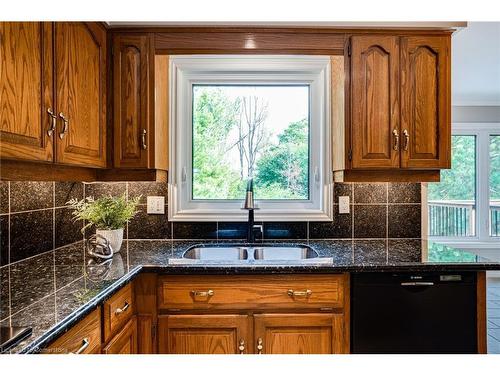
pixel 84 284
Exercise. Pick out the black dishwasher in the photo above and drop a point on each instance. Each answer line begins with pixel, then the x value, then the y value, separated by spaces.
pixel 398 313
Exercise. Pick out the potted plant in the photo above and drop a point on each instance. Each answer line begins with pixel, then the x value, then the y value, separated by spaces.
pixel 108 214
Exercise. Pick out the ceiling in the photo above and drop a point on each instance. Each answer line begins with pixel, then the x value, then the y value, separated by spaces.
pixel 476 65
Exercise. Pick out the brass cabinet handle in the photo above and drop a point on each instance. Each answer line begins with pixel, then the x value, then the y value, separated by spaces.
pixel 407 139
pixel 53 121
pixel 260 345
pixel 198 293
pixel 241 347
pixel 85 345
pixel 396 140
pixel 144 145
pixel 125 307
pixel 296 293
pixel 66 125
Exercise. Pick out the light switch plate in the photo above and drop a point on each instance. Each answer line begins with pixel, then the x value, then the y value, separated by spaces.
pixel 156 205
pixel 344 204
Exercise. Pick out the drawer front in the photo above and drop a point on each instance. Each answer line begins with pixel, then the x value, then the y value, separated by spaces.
pixel 84 338
pixel 234 292
pixel 117 311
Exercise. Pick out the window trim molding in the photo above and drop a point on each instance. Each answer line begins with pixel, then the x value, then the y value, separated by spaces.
pixel 186 70
pixel 482 239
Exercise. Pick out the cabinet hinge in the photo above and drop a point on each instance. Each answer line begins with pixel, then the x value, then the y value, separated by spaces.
pixel 349 49
pixel 349 154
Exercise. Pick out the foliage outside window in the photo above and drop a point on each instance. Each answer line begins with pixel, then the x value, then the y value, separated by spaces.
pixel 243 132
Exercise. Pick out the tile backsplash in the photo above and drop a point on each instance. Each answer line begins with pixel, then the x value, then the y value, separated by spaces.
pixel 35 219
pixel 36 229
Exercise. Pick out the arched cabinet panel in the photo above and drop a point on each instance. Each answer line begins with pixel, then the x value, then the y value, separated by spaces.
pixel 132 69
pixel 80 69
pixel 374 80
pixel 26 91
pixel 425 102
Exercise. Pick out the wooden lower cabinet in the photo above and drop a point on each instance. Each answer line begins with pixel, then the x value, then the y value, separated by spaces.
pixel 320 333
pixel 203 334
pixel 292 333
pixel 125 341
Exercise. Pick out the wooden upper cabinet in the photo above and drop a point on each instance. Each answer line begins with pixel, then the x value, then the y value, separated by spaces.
pixel 204 334
pixel 133 65
pixel 425 102
pixel 375 104
pixel 80 76
pixel 299 334
pixel 26 91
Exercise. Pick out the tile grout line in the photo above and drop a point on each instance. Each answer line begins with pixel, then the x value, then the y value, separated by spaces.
pixel 352 223
pixel 54 244
pixel 126 224
pixel 387 222
pixel 84 240
pixel 8 254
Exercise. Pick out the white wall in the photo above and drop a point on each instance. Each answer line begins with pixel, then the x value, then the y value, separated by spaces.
pixel 476 65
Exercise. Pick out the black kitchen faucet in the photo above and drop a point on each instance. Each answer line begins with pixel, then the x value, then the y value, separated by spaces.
pixel 250 206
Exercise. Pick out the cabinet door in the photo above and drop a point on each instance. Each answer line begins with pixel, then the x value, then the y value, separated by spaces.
pixel 125 341
pixel 203 334
pixel 299 334
pixel 26 91
pixel 425 102
pixel 132 70
pixel 374 102
pixel 80 68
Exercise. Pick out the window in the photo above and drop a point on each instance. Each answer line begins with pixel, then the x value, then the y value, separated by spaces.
pixel 236 118
pixel 495 185
pixel 464 207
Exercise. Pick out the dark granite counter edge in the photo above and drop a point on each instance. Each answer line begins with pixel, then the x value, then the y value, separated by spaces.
pixel 77 315
pixel 315 269
pixel 89 306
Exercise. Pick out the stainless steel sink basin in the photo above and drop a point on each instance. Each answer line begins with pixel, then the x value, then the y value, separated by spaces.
pixel 250 254
pixel 215 253
pixel 284 253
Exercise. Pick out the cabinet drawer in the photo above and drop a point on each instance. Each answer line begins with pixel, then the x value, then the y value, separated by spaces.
pixel 234 292
pixel 117 311
pixel 83 338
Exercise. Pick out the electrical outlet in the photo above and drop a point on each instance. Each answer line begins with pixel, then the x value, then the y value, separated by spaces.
pixel 344 204
pixel 156 205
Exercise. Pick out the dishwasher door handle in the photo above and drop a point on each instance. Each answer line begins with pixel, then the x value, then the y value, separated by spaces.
pixel 417 283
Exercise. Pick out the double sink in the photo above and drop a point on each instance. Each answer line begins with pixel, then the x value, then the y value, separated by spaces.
pixel 254 254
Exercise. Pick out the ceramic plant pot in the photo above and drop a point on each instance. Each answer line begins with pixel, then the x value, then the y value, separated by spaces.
pixel 114 237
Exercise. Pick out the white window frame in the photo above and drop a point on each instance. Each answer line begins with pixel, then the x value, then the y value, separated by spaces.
pixel 187 70
pixel 482 239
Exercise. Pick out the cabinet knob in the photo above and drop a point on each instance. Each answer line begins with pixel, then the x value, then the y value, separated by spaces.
pixel 198 293
pixel 396 139
pixel 297 293
pixel 85 345
pixel 260 345
pixel 53 121
pixel 65 126
pixel 407 139
pixel 241 347
pixel 125 307
pixel 144 145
